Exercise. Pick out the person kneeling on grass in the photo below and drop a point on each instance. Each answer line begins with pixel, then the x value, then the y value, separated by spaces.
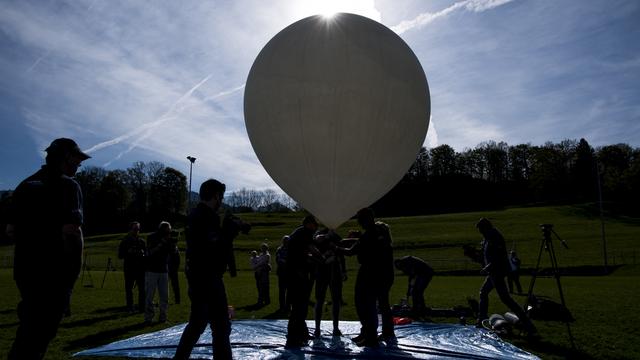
pixel 420 275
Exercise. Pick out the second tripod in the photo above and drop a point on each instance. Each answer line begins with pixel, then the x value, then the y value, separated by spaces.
pixel 547 244
pixel 109 267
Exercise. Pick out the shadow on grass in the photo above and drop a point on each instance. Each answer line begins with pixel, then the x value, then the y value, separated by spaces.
pixel 277 315
pixel 7 311
pixel 110 310
pixel 94 320
pixel 252 307
pixel 545 347
pixel 10 325
pixel 103 337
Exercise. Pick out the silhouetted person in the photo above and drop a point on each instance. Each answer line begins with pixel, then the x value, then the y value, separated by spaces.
pixel 514 274
pixel 330 274
pixel 157 275
pixel 45 222
pixel 261 264
pixel 209 253
pixel 496 266
pixel 281 271
pixel 420 275
pixel 299 272
pixel 132 251
pixel 174 267
pixel 374 280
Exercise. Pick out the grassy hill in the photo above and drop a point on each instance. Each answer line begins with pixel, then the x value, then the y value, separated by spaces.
pixel 604 306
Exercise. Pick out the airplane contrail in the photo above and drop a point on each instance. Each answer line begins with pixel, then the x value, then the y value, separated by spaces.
pixel 426 18
pixel 146 130
pixel 175 108
pixel 38 60
pixel 150 125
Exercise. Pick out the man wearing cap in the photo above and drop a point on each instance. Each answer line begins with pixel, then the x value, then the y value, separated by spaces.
pixel 45 223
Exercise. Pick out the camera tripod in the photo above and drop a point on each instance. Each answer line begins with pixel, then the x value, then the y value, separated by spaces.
pixel 109 267
pixel 547 244
pixel 86 270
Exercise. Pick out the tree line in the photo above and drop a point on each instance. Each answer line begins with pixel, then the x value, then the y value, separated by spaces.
pixel 152 192
pixel 490 176
pixel 149 193
pixel 494 174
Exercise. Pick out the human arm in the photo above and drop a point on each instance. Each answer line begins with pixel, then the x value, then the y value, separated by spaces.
pixel 410 286
pixel 72 219
pixel 10 231
pixel 348 246
pixel 73 245
pixel 233 272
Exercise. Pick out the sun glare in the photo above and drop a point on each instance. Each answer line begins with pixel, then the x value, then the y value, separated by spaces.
pixel 328 8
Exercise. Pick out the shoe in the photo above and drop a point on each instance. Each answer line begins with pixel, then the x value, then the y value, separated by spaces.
pixel 316 333
pixel 358 338
pixel 387 337
pixel 336 332
pixel 295 344
pixel 372 343
pixel 530 330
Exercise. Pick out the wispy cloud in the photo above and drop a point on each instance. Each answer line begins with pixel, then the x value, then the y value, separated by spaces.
pixel 431 140
pixel 428 17
pixel 128 78
pixel 38 60
pixel 147 129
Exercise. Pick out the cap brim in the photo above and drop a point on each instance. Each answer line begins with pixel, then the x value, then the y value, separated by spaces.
pixel 82 155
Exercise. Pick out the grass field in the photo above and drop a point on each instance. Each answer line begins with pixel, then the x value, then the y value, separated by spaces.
pixel 606 327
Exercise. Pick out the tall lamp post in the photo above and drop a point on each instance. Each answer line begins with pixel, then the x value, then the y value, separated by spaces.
pixel 604 239
pixel 191 161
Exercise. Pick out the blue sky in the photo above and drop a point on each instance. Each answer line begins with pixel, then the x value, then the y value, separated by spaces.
pixel 140 81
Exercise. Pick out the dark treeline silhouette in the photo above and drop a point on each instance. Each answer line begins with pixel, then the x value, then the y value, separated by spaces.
pixel 494 175
pixel 146 192
pixel 490 176
pixel 150 193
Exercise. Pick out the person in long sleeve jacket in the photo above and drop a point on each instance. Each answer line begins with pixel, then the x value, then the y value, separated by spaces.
pixel 209 253
pixel 496 267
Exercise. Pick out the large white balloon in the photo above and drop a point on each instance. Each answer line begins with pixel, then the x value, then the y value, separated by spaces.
pixel 336 110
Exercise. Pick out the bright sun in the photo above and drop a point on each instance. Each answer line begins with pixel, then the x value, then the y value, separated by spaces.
pixel 328 8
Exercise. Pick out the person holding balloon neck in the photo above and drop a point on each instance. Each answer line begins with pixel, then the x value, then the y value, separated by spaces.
pixel 330 274
pixel 299 253
pixel 374 280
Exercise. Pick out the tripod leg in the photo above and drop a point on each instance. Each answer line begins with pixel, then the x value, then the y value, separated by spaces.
pixel 556 274
pixel 105 272
pixel 534 275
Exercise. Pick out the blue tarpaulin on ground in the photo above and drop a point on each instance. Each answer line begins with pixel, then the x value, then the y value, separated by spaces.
pixel 265 339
